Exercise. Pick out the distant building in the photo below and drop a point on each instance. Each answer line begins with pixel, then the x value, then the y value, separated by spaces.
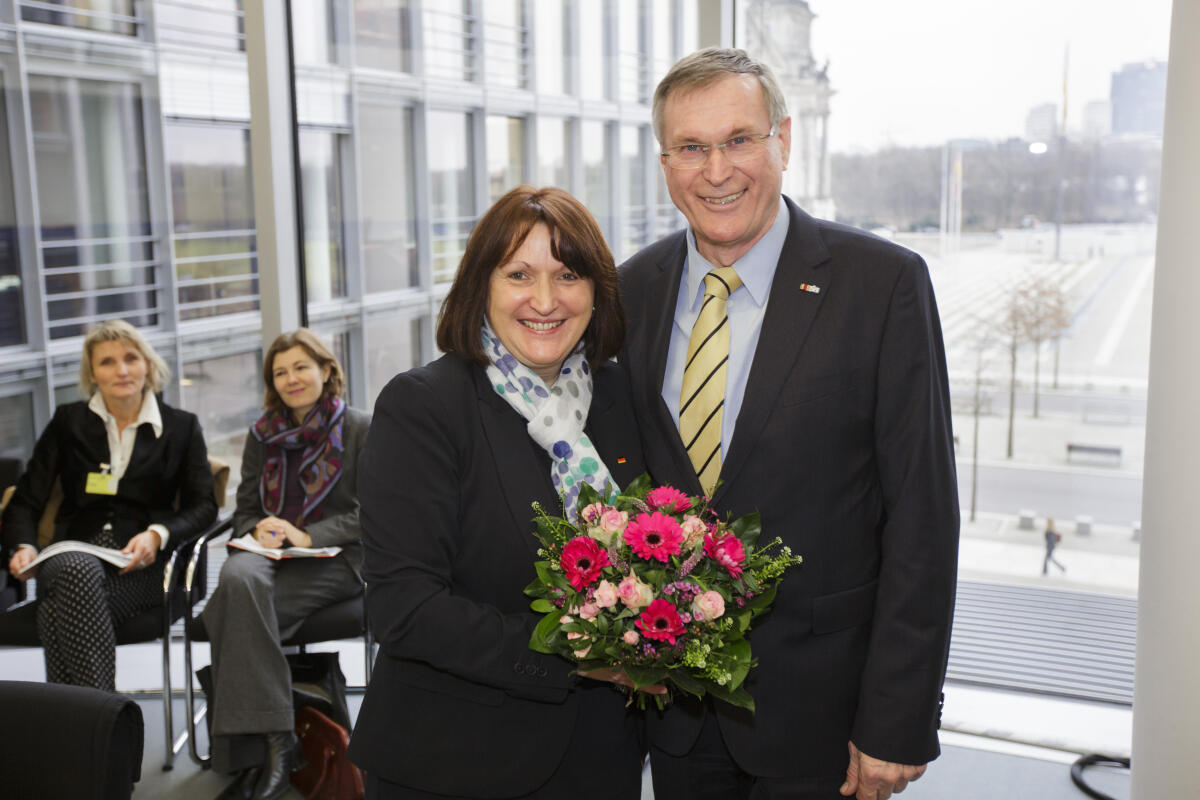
pixel 1097 119
pixel 1041 123
pixel 779 32
pixel 1139 93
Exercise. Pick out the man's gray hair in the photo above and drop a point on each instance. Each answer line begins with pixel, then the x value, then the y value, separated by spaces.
pixel 708 66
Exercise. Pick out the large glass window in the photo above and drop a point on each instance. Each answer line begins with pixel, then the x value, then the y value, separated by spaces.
pixel 382 34
pixel 631 56
pixel 551 51
pixel 452 188
pixel 554 164
pixel 663 21
pixel 110 16
pixel 324 238
pixel 17 433
pixel 215 24
pixel 450 41
pixel 212 200
pixel 592 57
pixel 12 310
pixel 635 220
pixel 506 154
pixel 100 259
pixel 226 393
pixel 313 32
pixel 389 222
pixel 393 346
pixel 597 172
pixel 506 40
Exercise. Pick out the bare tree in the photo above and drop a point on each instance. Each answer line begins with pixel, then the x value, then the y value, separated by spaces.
pixel 983 343
pixel 1045 317
pixel 1012 330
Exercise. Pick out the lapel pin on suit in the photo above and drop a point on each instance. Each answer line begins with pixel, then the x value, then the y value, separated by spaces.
pixel 808 287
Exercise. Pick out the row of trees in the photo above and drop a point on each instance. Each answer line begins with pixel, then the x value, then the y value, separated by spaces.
pixel 1036 313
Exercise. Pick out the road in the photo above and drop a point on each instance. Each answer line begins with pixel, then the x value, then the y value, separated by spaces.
pixel 1114 499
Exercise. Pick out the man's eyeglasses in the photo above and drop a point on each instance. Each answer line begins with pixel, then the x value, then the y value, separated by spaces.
pixel 737 150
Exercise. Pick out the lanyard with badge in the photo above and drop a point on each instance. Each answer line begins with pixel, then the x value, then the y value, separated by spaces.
pixel 102 482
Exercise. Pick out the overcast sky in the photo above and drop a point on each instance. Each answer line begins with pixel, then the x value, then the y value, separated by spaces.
pixel 916 72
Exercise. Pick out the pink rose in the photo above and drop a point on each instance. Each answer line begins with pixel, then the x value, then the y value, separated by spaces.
pixel 633 593
pixel 613 521
pixel 708 606
pixel 606 595
pixel 693 531
pixel 591 513
pixel 589 610
pixel 631 637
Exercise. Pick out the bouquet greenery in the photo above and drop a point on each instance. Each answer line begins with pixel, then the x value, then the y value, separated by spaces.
pixel 654 584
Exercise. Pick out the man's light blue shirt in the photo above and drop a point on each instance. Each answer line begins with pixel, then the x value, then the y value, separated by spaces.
pixel 745 308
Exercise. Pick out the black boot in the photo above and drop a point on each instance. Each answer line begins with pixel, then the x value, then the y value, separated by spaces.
pixel 284 756
pixel 242 787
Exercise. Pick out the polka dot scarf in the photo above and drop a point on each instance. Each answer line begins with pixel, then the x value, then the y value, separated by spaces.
pixel 556 414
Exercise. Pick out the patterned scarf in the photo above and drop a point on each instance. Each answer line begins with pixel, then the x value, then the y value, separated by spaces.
pixel 556 415
pixel 319 438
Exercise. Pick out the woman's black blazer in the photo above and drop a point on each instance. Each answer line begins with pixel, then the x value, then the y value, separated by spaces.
pixel 458 703
pixel 173 465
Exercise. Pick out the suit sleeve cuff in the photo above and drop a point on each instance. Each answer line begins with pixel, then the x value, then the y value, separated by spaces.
pixel 163 534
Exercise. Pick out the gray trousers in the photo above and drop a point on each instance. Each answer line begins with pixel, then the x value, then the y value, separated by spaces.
pixel 259 602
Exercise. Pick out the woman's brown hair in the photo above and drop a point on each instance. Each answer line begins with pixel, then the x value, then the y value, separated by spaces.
pixel 335 386
pixel 575 240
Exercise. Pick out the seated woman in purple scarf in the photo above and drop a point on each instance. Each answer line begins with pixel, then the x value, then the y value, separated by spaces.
pixel 297 489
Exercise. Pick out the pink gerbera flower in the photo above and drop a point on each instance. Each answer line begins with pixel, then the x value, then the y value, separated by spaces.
pixel 727 551
pixel 582 560
pixel 654 536
pixel 668 498
pixel 661 621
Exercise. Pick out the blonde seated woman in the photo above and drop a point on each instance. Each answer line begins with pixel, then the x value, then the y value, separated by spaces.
pixel 297 489
pixel 122 456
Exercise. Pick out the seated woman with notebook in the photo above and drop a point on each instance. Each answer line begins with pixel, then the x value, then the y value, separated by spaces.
pixel 297 490
pixel 122 458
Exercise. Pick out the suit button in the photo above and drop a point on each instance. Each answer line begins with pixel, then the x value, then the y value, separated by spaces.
pixel 519 669
pixel 542 672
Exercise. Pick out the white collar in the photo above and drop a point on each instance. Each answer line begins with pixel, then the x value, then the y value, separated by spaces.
pixel 149 412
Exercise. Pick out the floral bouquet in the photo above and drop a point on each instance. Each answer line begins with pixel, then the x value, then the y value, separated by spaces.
pixel 654 584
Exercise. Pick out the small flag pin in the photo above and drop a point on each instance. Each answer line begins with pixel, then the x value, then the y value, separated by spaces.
pixel 621 460
pixel 808 287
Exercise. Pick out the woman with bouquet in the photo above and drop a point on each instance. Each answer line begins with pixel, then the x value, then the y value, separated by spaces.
pixel 297 489
pixel 522 408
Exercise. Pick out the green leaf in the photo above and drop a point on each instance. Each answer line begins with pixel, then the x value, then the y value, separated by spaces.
pixel 539 641
pixel 687 682
pixel 587 496
pixel 739 650
pixel 542 606
pixel 735 697
pixel 763 600
pixel 747 528
pixel 544 573
pixel 644 676
pixel 639 487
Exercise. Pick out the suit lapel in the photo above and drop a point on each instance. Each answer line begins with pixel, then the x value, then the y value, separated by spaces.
pixel 665 455
pixel 789 316
pixel 523 476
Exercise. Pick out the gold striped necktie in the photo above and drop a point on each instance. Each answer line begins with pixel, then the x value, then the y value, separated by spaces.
pixel 703 396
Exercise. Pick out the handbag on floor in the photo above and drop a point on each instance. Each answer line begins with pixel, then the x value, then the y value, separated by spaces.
pixel 329 774
pixel 318 681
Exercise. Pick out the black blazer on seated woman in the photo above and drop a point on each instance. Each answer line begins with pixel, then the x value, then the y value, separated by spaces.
pixel 160 469
pixel 458 703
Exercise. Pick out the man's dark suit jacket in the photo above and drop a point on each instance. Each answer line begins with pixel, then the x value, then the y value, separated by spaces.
pixel 458 703
pixel 843 443
pixel 173 465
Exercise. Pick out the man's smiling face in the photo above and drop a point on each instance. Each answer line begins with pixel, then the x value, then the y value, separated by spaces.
pixel 729 206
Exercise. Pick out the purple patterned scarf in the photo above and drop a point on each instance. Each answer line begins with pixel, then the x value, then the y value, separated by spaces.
pixel 319 438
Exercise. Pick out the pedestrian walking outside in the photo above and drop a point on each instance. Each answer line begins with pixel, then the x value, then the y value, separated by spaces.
pixel 1053 537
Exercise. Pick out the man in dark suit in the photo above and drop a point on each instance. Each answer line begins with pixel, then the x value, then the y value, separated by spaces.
pixel 795 367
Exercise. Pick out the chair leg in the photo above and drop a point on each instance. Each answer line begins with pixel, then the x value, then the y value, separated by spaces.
pixel 168 720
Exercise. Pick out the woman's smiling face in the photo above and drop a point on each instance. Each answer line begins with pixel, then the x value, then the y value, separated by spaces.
pixel 538 306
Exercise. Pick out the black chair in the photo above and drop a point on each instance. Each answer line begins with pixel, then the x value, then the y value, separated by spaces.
pixel 68 741
pixel 346 619
pixel 18 625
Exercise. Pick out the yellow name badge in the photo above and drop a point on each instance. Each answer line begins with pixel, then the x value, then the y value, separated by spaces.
pixel 101 483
